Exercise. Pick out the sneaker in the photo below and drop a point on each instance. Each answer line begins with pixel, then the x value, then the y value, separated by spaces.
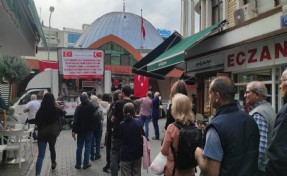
pixel 106 168
pixel 54 166
pixel 92 158
pixel 77 167
pixel 87 166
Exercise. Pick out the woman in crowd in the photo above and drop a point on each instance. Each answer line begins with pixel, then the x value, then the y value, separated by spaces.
pixel 106 106
pixel 108 136
pixel 182 112
pixel 49 127
pixel 178 87
pixel 131 132
pixel 99 130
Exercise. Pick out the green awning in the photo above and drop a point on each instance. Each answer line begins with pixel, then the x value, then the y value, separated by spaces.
pixel 177 53
pixel 140 67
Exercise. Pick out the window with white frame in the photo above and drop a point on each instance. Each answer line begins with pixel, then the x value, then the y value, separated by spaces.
pixel 217 11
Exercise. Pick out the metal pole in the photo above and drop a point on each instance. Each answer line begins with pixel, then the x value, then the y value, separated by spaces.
pixel 51 11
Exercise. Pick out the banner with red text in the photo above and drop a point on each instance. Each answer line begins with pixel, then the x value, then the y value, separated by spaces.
pixel 141 85
pixel 76 63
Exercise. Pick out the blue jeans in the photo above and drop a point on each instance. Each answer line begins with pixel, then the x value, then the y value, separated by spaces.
pixel 83 138
pixel 115 156
pixel 155 124
pixel 41 153
pixel 97 138
pixel 145 122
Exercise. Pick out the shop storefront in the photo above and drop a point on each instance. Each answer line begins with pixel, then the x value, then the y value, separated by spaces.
pixel 204 70
pixel 262 60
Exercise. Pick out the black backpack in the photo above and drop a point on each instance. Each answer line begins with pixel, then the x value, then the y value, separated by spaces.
pixel 190 137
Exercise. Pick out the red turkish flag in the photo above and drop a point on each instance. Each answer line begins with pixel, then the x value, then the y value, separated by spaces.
pixel 142 28
pixel 97 54
pixel 141 84
pixel 67 54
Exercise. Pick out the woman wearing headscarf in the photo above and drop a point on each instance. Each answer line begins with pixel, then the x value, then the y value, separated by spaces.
pixel 49 127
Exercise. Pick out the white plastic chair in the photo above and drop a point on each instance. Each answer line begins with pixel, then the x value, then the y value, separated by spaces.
pixel 14 141
pixel 26 138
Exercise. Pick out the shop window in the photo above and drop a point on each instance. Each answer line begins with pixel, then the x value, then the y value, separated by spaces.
pixel 217 11
pixel 208 110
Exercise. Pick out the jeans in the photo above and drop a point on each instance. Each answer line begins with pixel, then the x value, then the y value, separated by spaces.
pixel 155 125
pixel 41 153
pixel 115 156
pixel 131 168
pixel 145 122
pixel 97 139
pixel 83 138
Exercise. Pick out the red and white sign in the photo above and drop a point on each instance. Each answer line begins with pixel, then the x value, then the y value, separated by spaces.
pixel 81 63
pixel 265 53
pixel 88 83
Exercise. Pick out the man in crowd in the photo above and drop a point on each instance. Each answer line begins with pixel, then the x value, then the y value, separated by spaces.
pixel 277 152
pixel 264 115
pixel 117 119
pixel 230 145
pixel 145 111
pixel 155 114
pixel 85 121
pixel 31 108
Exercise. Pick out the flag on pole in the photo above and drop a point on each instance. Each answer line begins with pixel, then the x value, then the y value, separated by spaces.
pixel 141 84
pixel 142 27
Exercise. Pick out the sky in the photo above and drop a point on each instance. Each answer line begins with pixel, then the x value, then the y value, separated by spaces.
pixel 73 13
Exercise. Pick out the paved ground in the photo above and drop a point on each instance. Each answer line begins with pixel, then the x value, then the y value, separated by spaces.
pixel 66 157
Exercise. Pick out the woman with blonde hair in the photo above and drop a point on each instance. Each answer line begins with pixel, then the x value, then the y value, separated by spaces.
pixel 182 112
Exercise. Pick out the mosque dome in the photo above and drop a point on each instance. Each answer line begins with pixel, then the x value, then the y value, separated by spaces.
pixel 126 26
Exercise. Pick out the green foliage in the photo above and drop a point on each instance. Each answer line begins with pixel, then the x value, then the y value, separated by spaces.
pixel 13 69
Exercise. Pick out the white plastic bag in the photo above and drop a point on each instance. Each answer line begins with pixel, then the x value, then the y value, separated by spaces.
pixel 158 164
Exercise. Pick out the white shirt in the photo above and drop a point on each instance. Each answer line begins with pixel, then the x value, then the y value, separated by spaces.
pixel 33 107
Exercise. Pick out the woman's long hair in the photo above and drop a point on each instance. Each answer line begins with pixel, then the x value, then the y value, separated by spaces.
pixel 47 111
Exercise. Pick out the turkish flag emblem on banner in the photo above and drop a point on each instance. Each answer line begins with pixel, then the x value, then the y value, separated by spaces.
pixel 141 84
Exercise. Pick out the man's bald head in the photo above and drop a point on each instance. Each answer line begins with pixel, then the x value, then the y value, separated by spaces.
pixel 259 88
pixel 33 97
pixel 224 86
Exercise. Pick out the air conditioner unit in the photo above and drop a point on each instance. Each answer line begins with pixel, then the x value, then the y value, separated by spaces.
pixel 245 13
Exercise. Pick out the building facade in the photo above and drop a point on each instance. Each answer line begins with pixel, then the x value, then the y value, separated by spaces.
pixel 251 46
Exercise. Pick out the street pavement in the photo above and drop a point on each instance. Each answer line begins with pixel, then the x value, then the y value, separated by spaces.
pixel 66 158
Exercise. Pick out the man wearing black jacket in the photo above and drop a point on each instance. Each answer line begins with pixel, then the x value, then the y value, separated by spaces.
pixel 85 122
pixel 277 151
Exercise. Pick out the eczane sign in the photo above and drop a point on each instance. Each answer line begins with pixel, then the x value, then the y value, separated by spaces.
pixel 258 54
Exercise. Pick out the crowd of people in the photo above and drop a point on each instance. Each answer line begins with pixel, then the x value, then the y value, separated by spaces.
pixel 234 142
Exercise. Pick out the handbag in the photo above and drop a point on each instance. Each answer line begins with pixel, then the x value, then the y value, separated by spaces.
pixel 50 130
pixel 158 164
